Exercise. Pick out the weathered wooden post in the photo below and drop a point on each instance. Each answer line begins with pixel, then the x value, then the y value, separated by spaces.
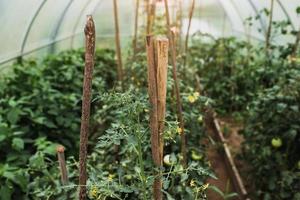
pixel 118 44
pixel 176 84
pixel 62 164
pixel 157 58
pixel 86 103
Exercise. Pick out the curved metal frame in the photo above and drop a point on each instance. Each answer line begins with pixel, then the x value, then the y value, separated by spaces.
pixel 78 20
pixel 97 5
pixel 286 13
pixel 30 25
pixel 262 23
pixel 61 19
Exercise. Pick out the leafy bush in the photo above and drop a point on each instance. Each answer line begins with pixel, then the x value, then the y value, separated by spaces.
pixel 40 106
pixel 132 177
pixel 272 138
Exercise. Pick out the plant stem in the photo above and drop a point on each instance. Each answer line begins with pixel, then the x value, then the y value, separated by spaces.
pixel 177 90
pixel 141 161
pixel 86 103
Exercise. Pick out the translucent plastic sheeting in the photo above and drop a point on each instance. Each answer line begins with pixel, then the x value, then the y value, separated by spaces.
pixel 39 27
pixel 15 18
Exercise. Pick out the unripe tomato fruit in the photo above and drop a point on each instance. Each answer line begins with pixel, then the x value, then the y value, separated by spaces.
pixel 276 142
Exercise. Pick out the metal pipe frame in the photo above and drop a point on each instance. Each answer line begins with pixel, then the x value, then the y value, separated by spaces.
pixel 78 20
pixel 286 13
pixel 36 48
pixel 30 25
pixel 262 23
pixel 61 19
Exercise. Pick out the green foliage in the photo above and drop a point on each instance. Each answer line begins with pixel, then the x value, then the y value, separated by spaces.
pixel 40 107
pixel 275 114
pixel 133 177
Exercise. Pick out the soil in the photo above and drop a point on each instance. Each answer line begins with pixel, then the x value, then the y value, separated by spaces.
pixel 218 164
pixel 234 140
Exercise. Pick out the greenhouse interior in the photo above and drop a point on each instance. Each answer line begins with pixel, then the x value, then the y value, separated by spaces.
pixel 150 99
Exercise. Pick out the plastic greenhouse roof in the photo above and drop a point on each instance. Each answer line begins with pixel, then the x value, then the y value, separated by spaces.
pixel 45 26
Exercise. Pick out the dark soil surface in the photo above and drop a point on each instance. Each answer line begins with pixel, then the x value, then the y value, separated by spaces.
pixel 218 164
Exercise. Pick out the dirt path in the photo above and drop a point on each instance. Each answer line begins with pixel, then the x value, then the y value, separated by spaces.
pixel 218 164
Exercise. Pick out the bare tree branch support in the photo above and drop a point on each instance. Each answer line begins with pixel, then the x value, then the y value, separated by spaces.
pixel 86 103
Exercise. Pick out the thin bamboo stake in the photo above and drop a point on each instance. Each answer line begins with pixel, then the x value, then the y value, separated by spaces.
pixel 118 44
pixel 136 24
pixel 176 84
pixel 62 164
pixel 86 103
pixel 191 13
pixel 269 31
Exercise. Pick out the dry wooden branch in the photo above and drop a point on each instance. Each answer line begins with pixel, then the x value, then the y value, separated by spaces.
pixel 157 58
pixel 86 103
pixel 176 84
pixel 62 164
pixel 118 44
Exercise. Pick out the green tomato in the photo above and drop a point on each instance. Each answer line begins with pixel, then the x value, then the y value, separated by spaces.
pixel 196 156
pixel 128 177
pixel 276 142
pixel 167 160
pixel 170 159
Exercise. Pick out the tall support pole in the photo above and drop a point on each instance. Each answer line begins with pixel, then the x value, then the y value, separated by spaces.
pixel 176 84
pixel 151 16
pixel 191 13
pixel 86 103
pixel 118 44
pixel 136 24
pixel 157 59
pixel 296 45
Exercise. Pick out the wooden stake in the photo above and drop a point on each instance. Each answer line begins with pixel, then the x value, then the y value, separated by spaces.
pixel 86 103
pixel 296 45
pixel 118 45
pixel 188 32
pixel 136 24
pixel 151 16
pixel 152 91
pixel 161 46
pixel 176 84
pixel 62 164
pixel 157 59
